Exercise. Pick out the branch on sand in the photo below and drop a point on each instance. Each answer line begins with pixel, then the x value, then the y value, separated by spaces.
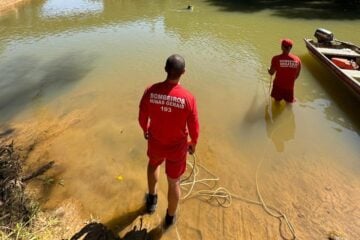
pixel 15 206
pixel 41 170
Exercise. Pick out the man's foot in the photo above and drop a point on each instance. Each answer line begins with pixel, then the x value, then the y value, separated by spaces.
pixel 151 202
pixel 169 220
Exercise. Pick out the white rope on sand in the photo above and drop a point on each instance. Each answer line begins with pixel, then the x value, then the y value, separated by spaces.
pixel 224 197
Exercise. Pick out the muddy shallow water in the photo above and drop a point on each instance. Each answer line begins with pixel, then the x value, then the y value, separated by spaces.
pixel 71 76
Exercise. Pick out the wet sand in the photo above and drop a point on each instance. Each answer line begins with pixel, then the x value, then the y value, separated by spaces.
pixel 292 186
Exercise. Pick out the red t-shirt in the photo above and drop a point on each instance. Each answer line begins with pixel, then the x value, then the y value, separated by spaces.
pixel 287 67
pixel 168 111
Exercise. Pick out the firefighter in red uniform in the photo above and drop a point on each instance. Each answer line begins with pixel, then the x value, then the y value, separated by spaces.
pixel 167 114
pixel 287 68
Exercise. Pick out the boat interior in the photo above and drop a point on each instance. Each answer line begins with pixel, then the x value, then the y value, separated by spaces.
pixel 344 55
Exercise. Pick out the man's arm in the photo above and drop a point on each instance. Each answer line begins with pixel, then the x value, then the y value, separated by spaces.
pixel 299 69
pixel 272 69
pixel 193 127
pixel 144 114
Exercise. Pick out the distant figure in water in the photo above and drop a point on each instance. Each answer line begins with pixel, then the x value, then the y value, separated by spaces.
pixel 287 68
pixel 168 113
pixel 190 7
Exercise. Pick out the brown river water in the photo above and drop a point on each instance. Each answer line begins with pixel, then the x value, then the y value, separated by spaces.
pixel 72 74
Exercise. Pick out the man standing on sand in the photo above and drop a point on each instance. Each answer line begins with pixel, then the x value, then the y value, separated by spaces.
pixel 287 68
pixel 167 113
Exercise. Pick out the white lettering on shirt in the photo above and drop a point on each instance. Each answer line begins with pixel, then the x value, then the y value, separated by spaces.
pixel 167 100
pixel 288 63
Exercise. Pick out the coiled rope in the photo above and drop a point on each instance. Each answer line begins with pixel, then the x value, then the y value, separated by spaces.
pixel 224 197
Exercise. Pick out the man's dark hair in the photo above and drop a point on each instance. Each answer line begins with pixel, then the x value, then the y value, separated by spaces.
pixel 175 65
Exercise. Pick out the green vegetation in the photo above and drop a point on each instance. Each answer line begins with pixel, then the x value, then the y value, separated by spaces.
pixel 21 217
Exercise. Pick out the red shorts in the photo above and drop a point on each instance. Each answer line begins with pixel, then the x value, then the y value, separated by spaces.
pixel 279 94
pixel 173 168
pixel 175 161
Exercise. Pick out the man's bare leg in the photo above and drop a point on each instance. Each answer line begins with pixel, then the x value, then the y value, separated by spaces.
pixel 151 198
pixel 173 195
pixel 153 177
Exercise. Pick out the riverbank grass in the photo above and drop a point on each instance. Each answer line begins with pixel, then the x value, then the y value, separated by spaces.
pixel 21 217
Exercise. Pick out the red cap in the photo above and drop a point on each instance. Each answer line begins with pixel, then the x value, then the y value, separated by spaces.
pixel 287 42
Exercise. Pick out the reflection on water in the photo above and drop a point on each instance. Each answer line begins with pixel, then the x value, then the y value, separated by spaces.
pixel 60 8
pixel 72 82
pixel 310 9
pixel 340 95
pixel 280 124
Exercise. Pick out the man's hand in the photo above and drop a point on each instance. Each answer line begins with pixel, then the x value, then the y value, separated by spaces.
pixel 191 148
pixel 146 135
pixel 271 71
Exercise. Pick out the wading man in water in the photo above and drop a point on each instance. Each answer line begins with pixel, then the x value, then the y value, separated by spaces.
pixel 167 113
pixel 287 68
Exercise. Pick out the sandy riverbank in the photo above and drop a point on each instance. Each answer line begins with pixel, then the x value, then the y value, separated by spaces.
pixel 324 213
pixel 6 5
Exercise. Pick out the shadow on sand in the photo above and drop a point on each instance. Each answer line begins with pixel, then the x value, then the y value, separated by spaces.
pixel 26 79
pixel 136 225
